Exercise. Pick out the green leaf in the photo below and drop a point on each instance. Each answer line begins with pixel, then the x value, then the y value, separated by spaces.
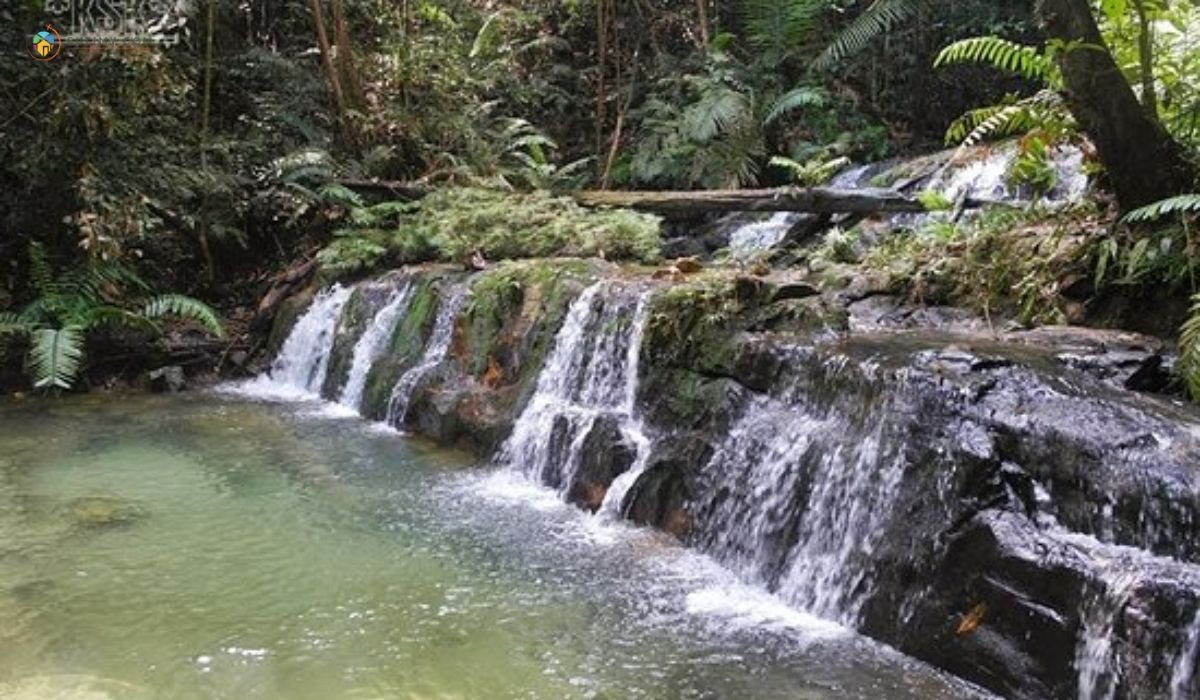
pixel 55 356
pixel 1183 204
pixel 184 307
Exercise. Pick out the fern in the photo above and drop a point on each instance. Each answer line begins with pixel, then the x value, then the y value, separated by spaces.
pixel 716 111
pixel 184 307
pixel 881 17
pixel 55 356
pixel 778 27
pixel 1183 204
pixel 1045 110
pixel 798 98
pixel 1029 62
pixel 1189 349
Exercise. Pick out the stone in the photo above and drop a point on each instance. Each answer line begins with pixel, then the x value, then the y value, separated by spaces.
pixel 606 454
pixel 167 379
pixel 104 511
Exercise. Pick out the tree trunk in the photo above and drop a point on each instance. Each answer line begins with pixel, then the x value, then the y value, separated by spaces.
pixel 816 200
pixel 1146 58
pixel 1144 163
pixel 205 117
pixel 331 74
pixel 345 54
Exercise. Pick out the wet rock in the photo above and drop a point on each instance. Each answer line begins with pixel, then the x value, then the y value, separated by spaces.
pixel 605 454
pixel 167 379
pixel 684 248
pixel 104 511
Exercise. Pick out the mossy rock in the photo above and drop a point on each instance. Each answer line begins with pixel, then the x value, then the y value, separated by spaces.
pixel 363 304
pixel 94 512
pixel 288 313
pixel 405 347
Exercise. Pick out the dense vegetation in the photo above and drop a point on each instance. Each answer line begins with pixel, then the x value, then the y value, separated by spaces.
pixel 205 167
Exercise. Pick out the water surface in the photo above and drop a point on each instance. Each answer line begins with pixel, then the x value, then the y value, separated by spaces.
pixel 207 547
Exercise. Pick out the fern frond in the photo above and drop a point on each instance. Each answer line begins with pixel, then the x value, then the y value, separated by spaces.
pixel 184 307
pixel 881 17
pixel 716 110
pixel 1189 349
pixel 1183 204
pixel 797 98
pixel 13 324
pixel 55 356
pixel 106 315
pixel 1029 62
pixel 40 274
pixel 779 26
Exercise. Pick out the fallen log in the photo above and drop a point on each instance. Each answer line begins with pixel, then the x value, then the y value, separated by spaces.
pixel 815 200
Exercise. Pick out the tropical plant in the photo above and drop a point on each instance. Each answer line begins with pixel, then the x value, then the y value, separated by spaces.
pixel 1189 349
pixel 70 305
pixel 1183 205
pixel 880 17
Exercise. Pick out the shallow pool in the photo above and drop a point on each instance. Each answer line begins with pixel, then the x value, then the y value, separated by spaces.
pixel 209 547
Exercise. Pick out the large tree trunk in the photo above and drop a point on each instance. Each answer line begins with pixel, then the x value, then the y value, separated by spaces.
pixel 331 74
pixel 1144 163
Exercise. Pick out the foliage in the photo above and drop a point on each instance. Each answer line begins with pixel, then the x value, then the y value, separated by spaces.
pixel 880 17
pixel 686 316
pixel 1003 261
pixel 1189 349
pixel 1184 204
pixel 452 224
pixel 71 304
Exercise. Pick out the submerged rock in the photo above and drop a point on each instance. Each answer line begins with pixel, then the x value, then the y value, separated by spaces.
pixel 104 511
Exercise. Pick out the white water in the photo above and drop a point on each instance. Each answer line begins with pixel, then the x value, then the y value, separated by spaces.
pixel 299 370
pixel 590 373
pixel 435 352
pixel 759 236
pixel 372 344
pixel 798 503
pixel 1095 661
pixel 1184 668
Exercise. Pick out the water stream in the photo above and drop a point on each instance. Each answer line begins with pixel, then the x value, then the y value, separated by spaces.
pixel 205 547
pixel 372 344
pixel 435 352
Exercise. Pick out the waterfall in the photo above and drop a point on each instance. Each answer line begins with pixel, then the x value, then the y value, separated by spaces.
pixel 372 345
pixel 1184 669
pixel 1095 658
pixel 797 499
pixel 760 236
pixel 436 350
pixel 302 361
pixel 591 374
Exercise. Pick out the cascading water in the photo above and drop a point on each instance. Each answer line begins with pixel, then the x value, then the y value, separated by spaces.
pixel 797 499
pixel 435 352
pixel 1184 668
pixel 591 374
pixel 1095 661
pixel 299 368
pixel 760 236
pixel 372 345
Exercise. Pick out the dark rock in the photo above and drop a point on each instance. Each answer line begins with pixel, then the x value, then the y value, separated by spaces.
pixel 167 379
pixel 684 248
pixel 605 454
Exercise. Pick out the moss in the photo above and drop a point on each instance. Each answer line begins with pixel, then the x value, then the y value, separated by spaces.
pixel 405 348
pixel 452 224
pixel 1004 262
pixel 514 310
pixel 693 321
pixel 351 325
pixel 286 316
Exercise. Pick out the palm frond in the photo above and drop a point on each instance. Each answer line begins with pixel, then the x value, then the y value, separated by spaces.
pixel 1183 204
pixel 55 356
pixel 794 99
pixel 881 17
pixel 184 307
